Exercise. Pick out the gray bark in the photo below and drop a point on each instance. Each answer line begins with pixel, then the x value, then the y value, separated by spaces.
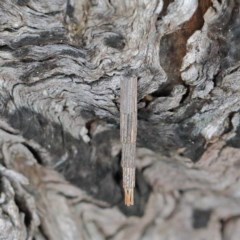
pixel 61 62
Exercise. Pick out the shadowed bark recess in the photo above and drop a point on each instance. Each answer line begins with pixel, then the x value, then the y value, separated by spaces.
pixel 61 62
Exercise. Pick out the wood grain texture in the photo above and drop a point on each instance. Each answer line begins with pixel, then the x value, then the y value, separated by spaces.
pixel 61 64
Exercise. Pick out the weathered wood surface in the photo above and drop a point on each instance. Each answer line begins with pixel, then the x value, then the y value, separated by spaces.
pixel 60 68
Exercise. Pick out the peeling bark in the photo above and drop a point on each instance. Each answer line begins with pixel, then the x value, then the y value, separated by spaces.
pixel 60 68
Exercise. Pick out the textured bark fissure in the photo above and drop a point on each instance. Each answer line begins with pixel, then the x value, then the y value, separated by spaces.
pixel 61 64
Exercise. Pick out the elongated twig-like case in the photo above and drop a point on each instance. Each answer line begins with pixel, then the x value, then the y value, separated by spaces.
pixel 128 130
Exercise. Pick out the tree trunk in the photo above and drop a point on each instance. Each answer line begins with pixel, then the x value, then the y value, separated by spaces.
pixel 61 62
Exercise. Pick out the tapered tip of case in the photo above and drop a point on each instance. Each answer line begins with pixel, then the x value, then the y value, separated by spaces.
pixel 129 196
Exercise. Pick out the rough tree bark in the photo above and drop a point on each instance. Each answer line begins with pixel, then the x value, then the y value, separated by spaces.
pixel 61 62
